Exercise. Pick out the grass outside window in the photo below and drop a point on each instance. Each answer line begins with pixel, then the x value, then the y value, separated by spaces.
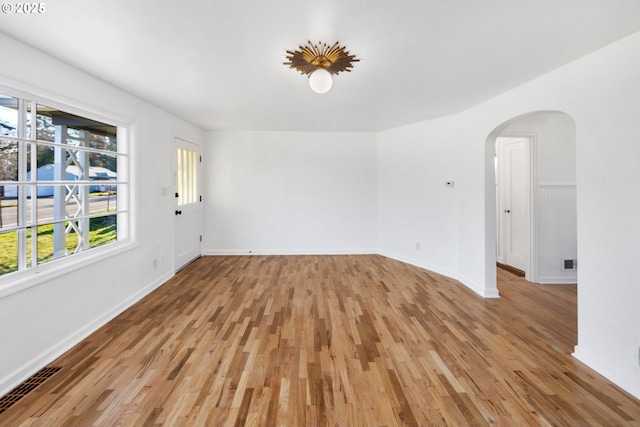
pixel 102 231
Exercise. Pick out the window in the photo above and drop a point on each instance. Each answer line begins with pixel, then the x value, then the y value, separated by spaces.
pixel 63 184
pixel 187 176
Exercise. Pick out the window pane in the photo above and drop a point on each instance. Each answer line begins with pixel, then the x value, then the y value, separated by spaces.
pixel 8 252
pixel 104 201
pixel 8 213
pixel 45 129
pixel 192 177
pixel 103 138
pixel 8 193
pixel 103 230
pixel 180 179
pixel 103 166
pixel 45 156
pixel 57 202
pixel 187 176
pixel 55 241
pixel 8 160
pixel 8 115
pixel 45 204
pixel 65 128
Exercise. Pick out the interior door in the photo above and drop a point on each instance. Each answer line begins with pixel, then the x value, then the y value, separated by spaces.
pixel 188 202
pixel 514 184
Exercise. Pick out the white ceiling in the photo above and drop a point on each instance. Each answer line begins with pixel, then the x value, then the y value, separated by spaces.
pixel 218 64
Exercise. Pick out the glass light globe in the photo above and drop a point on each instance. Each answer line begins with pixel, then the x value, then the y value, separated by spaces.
pixel 320 81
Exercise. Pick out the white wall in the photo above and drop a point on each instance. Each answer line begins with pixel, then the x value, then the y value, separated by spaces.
pixel 555 144
pixel 39 323
pixel 554 193
pixel 289 193
pixel 601 92
pixel 417 213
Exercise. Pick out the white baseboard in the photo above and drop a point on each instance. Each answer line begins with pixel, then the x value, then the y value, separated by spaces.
pixel 627 382
pixel 485 293
pixel 558 280
pixel 9 382
pixel 235 252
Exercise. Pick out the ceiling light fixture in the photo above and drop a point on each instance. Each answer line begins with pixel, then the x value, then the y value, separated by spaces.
pixel 319 62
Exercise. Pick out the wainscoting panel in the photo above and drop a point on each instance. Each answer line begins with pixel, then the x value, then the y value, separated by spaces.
pixel 557 228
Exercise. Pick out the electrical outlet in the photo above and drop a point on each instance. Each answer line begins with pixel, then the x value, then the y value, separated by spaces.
pixel 155 263
pixel 418 246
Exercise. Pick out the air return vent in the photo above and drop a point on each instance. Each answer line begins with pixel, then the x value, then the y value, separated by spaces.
pixel 26 387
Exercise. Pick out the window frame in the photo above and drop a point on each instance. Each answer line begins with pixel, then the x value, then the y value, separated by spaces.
pixel 17 281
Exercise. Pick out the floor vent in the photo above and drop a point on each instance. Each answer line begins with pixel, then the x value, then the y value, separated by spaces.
pixel 26 387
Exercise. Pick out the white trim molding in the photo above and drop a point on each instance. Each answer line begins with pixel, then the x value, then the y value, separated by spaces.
pixel 478 289
pixel 612 373
pixel 236 252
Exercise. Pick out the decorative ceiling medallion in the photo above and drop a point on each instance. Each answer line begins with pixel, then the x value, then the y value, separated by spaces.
pixel 310 58
pixel 319 62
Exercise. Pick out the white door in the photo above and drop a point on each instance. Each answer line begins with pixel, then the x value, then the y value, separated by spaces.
pixel 188 202
pixel 514 201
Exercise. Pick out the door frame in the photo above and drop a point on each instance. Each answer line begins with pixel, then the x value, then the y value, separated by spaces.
pixel 532 273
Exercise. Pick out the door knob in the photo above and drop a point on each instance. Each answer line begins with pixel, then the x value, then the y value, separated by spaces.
pixel 507 211
pixel 178 212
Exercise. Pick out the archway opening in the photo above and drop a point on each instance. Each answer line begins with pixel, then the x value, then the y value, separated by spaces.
pixel 552 229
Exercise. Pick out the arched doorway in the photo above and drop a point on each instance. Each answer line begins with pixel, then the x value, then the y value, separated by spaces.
pixel 551 196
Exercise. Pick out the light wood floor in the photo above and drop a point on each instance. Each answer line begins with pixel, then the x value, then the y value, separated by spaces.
pixel 330 341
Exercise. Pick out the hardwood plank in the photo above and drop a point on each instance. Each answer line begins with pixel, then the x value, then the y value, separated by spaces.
pixel 330 340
